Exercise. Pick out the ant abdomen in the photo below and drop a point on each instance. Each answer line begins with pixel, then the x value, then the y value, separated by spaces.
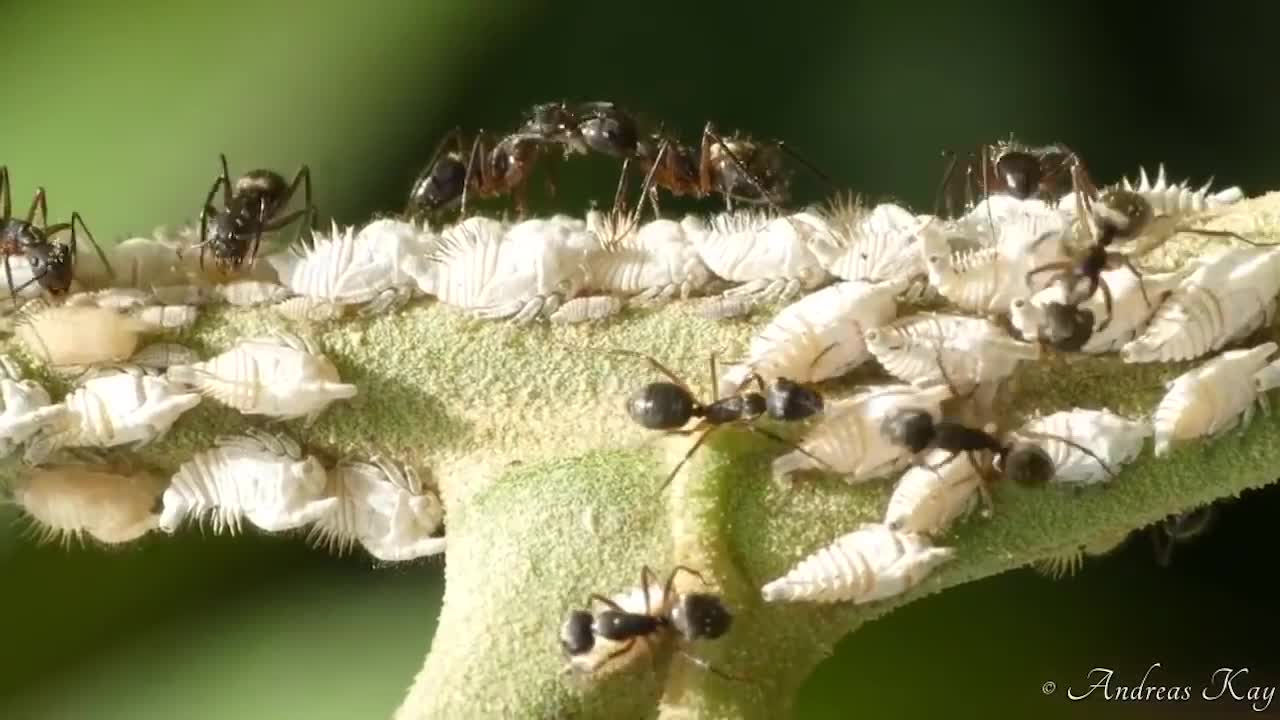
pixel 1020 173
pixel 440 186
pixel 912 428
pixel 577 636
pixel 1067 327
pixel 661 406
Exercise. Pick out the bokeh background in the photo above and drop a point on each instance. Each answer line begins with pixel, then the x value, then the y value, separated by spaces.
pixel 120 110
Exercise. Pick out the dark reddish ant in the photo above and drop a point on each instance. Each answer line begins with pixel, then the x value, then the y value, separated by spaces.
pixel 1014 168
pixel 455 174
pixel 52 264
pixel 251 206
pixel 735 167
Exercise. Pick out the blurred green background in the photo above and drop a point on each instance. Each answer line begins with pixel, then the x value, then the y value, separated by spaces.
pixel 120 110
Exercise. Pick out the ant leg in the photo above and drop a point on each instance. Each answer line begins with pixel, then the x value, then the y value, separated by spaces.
pixel 597 597
pixel 1127 263
pixel 617 653
pixel 826 466
pixel 226 181
pixel 647 188
pixel 476 144
pixel 1106 302
pixel 946 377
pixel 1060 265
pixel 984 486
pixel 303 178
pixel 5 205
pixel 809 165
pixel 8 277
pixel 75 218
pixel 702 663
pixel 675 571
pixel 622 187
pixel 692 449
pixel 39 202
pixel 942 186
pixel 1220 233
pixel 653 362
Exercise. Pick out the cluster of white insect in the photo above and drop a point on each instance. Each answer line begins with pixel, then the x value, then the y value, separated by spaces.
pixel 128 395
pixel 947 308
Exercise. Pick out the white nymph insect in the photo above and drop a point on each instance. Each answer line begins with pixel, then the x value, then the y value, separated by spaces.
pixel 385 508
pixel 261 477
pixel 587 309
pixel 818 336
pixel 113 408
pixel 247 293
pixel 186 294
pixel 71 500
pixel 770 255
pixel 870 245
pixel 310 309
pixel 1114 441
pixel 1211 399
pixel 721 307
pixel 1229 295
pixel 1130 310
pixel 848 437
pixel 495 272
pixel 350 268
pixel 987 279
pixel 929 497
pixel 930 348
pixel 27 407
pixel 281 376
pixel 869 564
pixel 79 335
pixel 121 298
pixel 1173 199
pixel 168 317
pixel 161 356
pixel 650 264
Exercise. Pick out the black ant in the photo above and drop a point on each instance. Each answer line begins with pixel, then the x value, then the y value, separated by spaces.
pixel 1026 463
pixel 1013 168
pixel 1117 215
pixel 455 174
pixel 251 206
pixel 52 264
pixel 669 406
pixel 692 616
pixel 735 167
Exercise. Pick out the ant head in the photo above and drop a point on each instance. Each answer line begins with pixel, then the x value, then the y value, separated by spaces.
pixel 577 636
pixel 1067 327
pixel 1027 464
pixel 52 266
pixel 912 428
pixel 1122 214
pixel 439 185
pixel 1019 172
pixel 788 400
pixel 611 133
pixel 700 616
pixel 661 406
